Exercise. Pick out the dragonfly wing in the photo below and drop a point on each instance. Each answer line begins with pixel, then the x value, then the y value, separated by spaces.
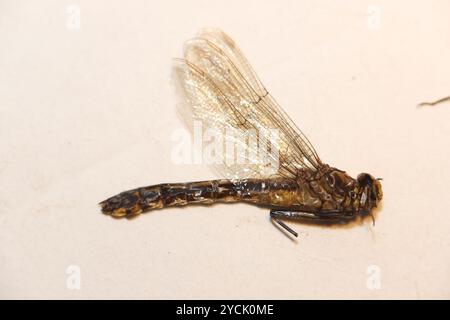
pixel 221 120
pixel 249 76
pixel 224 93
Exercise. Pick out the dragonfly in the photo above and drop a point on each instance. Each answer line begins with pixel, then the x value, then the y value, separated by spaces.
pixel 224 92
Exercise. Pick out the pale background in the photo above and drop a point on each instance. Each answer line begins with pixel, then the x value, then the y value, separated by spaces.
pixel 88 112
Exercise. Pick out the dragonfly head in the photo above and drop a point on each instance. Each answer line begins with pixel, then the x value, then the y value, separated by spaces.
pixel 371 192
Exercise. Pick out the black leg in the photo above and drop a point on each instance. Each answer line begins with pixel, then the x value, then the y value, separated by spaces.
pixel 275 215
pixel 330 216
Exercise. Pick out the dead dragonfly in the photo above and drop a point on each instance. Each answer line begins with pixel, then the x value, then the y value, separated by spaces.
pixel 224 92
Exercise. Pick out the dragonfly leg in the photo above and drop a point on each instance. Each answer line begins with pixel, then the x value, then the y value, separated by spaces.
pixel 329 216
pixel 275 215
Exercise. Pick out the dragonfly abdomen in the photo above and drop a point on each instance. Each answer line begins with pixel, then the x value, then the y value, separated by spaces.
pixel 144 199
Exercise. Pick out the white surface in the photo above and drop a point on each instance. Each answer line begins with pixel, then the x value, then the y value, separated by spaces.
pixel 87 113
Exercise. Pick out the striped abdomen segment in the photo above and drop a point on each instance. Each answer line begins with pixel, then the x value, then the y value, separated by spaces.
pixel 143 199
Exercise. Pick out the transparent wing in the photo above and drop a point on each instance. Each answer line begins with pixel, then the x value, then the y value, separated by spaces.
pixel 225 94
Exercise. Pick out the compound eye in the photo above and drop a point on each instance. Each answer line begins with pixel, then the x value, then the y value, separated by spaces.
pixel 364 179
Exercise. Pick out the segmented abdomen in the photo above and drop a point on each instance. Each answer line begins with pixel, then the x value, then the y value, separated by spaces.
pixel 143 199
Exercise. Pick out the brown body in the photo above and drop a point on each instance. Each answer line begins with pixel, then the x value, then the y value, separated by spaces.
pixel 327 193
